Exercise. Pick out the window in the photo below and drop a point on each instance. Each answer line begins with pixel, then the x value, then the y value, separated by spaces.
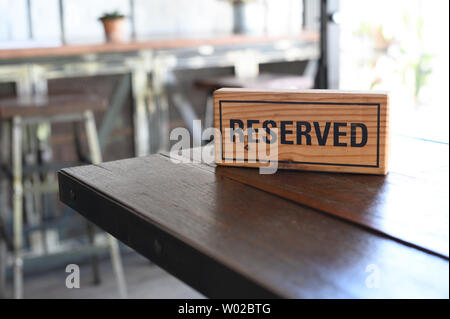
pixel 400 46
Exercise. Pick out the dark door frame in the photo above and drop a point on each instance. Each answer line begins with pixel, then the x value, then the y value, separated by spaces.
pixel 318 16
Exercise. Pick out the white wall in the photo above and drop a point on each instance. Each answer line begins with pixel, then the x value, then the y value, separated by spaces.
pixel 152 18
pixel 81 17
pixel 13 20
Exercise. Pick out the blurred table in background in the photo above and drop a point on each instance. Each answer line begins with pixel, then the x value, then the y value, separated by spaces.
pixel 31 68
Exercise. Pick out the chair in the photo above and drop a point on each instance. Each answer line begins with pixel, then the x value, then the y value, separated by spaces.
pixel 19 114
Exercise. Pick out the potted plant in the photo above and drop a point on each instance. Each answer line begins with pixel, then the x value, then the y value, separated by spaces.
pixel 113 24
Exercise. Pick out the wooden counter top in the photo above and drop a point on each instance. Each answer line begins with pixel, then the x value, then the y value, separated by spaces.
pixel 154 44
pixel 233 238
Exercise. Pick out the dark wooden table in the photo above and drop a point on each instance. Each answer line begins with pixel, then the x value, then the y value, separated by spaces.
pixel 230 232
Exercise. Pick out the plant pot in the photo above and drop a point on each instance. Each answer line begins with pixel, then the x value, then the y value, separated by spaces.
pixel 113 29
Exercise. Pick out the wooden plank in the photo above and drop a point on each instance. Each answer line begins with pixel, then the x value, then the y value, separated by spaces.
pixel 410 203
pixel 52 105
pixel 227 239
pixel 316 130
pixel 150 44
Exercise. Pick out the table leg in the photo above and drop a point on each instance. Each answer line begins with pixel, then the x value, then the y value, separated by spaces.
pixel 117 266
pixel 4 131
pixel 4 199
pixel 141 128
pixel 33 205
pixel 94 257
pixel 3 259
pixel 17 206
pixel 5 162
pixel 161 78
pixel 164 121
pixel 96 158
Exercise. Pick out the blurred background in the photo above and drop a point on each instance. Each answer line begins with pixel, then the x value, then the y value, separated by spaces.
pixel 144 67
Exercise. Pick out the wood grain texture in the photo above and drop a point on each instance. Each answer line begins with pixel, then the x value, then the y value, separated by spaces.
pixel 410 203
pixel 285 249
pixel 318 130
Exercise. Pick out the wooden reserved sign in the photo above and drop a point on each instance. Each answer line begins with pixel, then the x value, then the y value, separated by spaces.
pixel 316 130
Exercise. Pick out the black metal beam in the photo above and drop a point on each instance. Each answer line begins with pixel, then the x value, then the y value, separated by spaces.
pixel 322 73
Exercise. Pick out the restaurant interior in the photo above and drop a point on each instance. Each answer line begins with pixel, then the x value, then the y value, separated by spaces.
pixel 91 81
